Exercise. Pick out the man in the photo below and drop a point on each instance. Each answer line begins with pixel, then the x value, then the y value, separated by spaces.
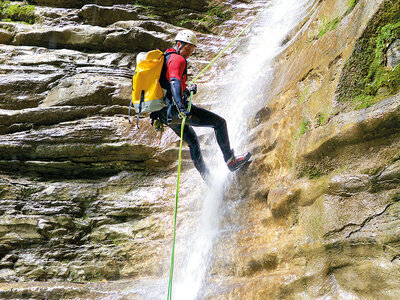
pixel 173 80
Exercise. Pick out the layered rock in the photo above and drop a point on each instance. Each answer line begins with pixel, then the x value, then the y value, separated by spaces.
pixel 84 196
pixel 322 203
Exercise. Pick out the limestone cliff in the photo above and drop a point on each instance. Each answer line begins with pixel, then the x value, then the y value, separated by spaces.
pixel 85 197
pixel 321 217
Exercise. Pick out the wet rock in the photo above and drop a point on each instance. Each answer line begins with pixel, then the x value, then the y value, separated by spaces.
pixel 311 190
pixel 139 36
pixel 389 178
pixel 6 275
pixel 347 185
pixel 378 120
pixel 122 36
pixel 104 15
pixel 81 90
pixel 57 16
pixel 31 90
pixel 24 119
pixel 280 200
pixel 18 230
pixel 5 36
pixel 393 54
pixel 60 149
pixel 197 5
pixel 72 37
pixel 61 72
pixel 60 3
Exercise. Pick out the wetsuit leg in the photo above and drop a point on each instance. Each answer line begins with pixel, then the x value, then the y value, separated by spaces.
pixel 204 118
pixel 190 137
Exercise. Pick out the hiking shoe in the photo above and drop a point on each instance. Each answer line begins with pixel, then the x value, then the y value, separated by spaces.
pixel 236 162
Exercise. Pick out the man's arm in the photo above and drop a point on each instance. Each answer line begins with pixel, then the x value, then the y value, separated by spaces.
pixel 176 69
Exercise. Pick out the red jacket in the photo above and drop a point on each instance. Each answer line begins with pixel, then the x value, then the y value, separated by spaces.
pixel 176 67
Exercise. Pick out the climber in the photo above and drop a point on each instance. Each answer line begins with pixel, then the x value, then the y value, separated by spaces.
pixel 173 80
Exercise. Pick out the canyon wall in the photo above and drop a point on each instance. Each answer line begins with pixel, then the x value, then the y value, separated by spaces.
pixel 85 197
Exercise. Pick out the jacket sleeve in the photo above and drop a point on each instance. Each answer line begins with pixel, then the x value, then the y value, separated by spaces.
pixel 175 72
pixel 176 91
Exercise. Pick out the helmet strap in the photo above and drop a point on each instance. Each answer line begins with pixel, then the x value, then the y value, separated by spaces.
pixel 180 48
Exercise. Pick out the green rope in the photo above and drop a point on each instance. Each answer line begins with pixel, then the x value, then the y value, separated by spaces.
pixel 171 271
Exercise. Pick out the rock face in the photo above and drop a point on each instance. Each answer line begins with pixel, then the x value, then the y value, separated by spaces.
pixel 322 206
pixel 86 197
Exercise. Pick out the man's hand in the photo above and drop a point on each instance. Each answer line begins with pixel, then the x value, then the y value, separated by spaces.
pixel 192 88
pixel 189 89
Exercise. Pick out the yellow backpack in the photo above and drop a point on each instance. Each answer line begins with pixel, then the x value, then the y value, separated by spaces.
pixel 147 94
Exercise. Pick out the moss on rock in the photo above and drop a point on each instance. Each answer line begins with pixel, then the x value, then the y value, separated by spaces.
pixel 17 12
pixel 365 78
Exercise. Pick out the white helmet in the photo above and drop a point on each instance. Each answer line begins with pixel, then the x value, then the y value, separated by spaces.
pixel 186 36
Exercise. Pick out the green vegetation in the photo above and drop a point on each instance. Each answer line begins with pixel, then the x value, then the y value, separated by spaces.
pixel 311 172
pixel 304 127
pixel 328 26
pixel 304 95
pixel 364 101
pixel 379 76
pixel 214 16
pixel 351 4
pixel 321 119
pixel 366 80
pixel 17 12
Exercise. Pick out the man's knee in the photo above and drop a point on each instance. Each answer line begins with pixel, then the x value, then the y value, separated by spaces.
pixel 220 123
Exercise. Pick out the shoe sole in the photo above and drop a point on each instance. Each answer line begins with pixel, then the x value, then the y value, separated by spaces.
pixel 242 163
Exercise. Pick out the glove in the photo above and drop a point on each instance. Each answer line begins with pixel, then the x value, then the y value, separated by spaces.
pixel 190 88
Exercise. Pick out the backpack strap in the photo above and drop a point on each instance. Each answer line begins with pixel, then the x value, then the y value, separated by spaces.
pixel 140 108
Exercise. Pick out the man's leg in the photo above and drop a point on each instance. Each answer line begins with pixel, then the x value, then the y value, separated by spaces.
pixel 205 118
pixel 190 137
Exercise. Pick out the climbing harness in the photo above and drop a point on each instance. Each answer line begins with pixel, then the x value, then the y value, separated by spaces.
pixel 171 272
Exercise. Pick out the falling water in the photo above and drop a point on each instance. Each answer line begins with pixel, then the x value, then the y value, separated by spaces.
pixel 245 80
pixel 245 83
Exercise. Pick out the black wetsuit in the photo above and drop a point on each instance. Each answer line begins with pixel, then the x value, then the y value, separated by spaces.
pixel 174 74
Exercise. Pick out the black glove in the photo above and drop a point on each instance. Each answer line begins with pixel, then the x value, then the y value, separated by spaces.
pixel 190 88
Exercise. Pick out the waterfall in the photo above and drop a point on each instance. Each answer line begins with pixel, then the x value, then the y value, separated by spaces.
pixel 245 79
pixel 252 71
